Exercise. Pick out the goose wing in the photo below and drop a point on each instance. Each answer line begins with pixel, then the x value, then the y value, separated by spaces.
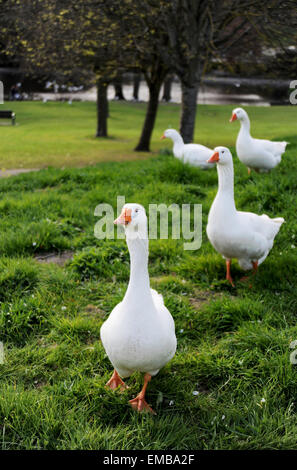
pixel 276 148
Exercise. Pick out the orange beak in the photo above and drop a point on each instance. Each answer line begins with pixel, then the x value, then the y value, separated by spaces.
pixel 125 217
pixel 163 137
pixel 214 158
pixel 233 118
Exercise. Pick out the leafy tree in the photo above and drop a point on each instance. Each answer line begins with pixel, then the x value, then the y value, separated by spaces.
pixel 190 34
pixel 138 24
pixel 200 31
pixel 65 40
pixel 71 38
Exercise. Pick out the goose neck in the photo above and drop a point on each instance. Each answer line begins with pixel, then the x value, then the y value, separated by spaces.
pixel 245 125
pixel 139 282
pixel 178 145
pixel 177 139
pixel 226 183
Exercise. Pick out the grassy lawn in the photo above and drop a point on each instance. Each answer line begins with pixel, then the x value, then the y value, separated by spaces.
pixel 233 344
pixel 62 135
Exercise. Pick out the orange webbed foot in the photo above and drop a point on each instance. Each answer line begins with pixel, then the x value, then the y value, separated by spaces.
pixel 229 278
pixel 115 381
pixel 244 278
pixel 248 278
pixel 139 404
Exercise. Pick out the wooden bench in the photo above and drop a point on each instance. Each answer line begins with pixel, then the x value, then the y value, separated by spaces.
pixel 8 115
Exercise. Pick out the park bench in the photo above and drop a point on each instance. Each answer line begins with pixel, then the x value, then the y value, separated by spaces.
pixel 8 115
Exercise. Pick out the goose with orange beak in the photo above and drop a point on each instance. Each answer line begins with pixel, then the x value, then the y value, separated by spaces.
pixel 244 236
pixel 139 334
pixel 257 154
pixel 193 154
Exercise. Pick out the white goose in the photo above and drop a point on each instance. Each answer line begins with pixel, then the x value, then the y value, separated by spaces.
pixel 139 334
pixel 258 154
pixel 194 154
pixel 242 235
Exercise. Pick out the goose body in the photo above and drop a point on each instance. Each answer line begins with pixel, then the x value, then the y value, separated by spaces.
pixel 139 334
pixel 246 236
pixel 193 154
pixel 258 154
pixel 139 337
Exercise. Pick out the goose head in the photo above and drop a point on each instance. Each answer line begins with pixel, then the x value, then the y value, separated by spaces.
pixel 221 156
pixel 171 134
pixel 134 220
pixel 238 113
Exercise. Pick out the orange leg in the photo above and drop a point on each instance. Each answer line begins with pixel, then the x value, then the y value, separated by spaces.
pixel 255 269
pixel 249 171
pixel 139 403
pixel 115 381
pixel 228 274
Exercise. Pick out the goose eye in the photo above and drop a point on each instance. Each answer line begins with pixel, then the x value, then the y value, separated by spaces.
pixel 136 210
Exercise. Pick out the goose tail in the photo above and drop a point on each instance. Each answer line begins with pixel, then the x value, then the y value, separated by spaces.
pixel 279 220
pixel 281 146
pixel 274 229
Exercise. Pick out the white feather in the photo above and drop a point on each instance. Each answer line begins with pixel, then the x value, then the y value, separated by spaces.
pixel 245 236
pixel 259 154
pixel 139 334
pixel 193 154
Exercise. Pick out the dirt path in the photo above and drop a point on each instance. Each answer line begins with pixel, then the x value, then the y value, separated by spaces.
pixel 16 171
pixel 207 95
pixel 58 258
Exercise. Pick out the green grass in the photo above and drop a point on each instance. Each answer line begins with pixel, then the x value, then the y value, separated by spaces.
pixel 233 344
pixel 57 134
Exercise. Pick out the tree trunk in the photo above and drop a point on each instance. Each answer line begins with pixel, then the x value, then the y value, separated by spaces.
pixel 118 87
pixel 188 112
pixel 136 83
pixel 151 113
pixel 167 89
pixel 102 109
